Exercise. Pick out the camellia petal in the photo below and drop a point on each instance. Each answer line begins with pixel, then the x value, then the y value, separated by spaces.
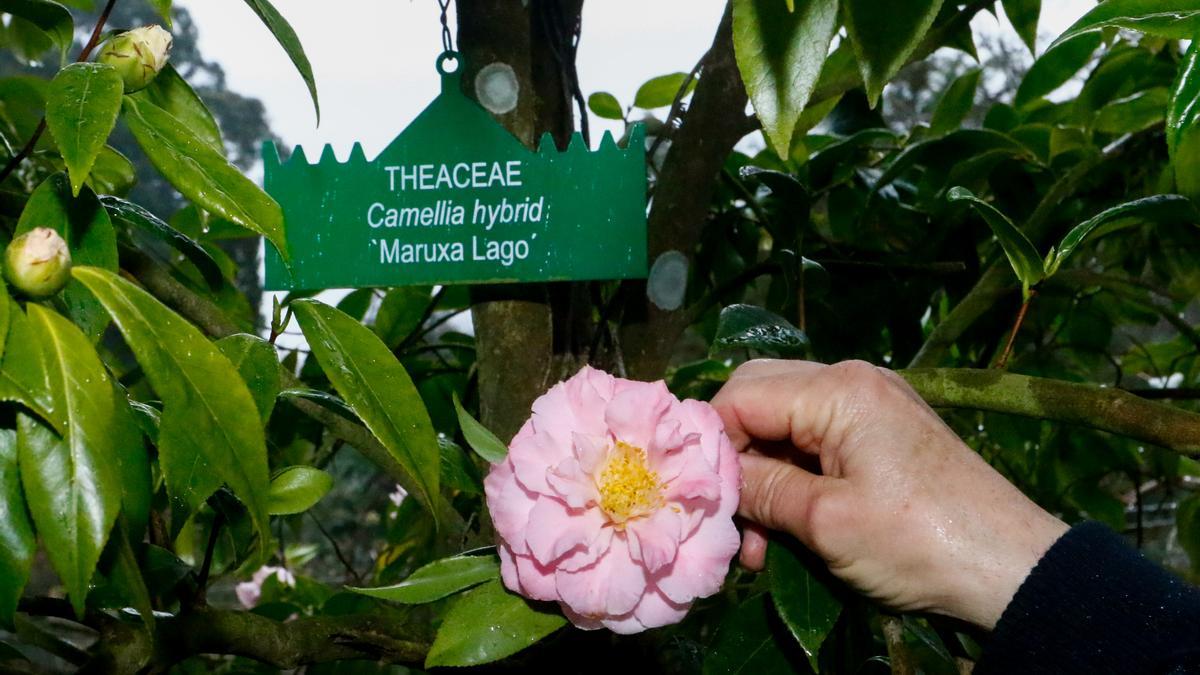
pixel 616 500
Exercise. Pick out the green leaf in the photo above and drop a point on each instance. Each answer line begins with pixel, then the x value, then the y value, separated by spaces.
pixel 805 604
pixel 52 18
pixel 955 104
pixel 1057 65
pixel 173 94
pixel 1174 19
pixel 89 234
pixel 438 579
pixel 1021 252
pixel 82 106
pixel 133 216
pixel 1133 113
pixel 960 143
pixel 297 489
pixel 5 308
pixel 258 364
pixel 400 313
pixel 780 54
pixel 605 105
pixel 458 471
pixel 323 399
pixel 480 438
pixel 133 466
pixel 884 39
pixel 201 173
pixel 749 640
pixel 125 585
pixel 112 174
pixel 1183 123
pixel 24 377
pixel 17 542
pixel 287 39
pixel 489 623
pixel 1024 16
pixel 72 482
pixel 379 391
pixel 206 439
pixel 751 327
pixel 660 92
pixel 1158 209
pixel 163 7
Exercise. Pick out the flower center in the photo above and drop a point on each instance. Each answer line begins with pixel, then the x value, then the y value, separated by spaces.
pixel 628 488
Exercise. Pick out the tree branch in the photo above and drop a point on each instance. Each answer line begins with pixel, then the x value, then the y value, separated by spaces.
pixel 129 648
pixel 1102 408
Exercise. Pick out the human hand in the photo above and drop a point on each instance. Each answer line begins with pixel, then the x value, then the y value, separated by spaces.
pixel 901 508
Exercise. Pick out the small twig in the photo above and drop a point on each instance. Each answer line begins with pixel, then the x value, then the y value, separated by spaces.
pixel 337 550
pixel 27 150
pixel 206 566
pixel 893 635
pixel 1012 337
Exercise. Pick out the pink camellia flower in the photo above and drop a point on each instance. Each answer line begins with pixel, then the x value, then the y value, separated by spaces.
pixel 616 500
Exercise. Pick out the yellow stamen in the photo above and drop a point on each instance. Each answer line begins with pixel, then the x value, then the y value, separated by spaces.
pixel 628 488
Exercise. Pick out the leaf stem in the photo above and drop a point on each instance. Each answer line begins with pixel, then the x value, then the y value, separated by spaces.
pixel 1012 336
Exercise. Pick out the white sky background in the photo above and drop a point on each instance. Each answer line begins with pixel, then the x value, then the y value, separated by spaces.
pixel 373 59
pixel 374 62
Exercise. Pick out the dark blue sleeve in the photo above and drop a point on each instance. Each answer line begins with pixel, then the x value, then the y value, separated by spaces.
pixel 1093 604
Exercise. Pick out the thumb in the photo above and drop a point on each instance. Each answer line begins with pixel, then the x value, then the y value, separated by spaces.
pixel 782 496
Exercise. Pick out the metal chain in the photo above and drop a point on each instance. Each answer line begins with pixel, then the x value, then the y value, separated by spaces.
pixel 447 44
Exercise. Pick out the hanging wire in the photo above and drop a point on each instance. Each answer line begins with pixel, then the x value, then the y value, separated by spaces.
pixel 447 44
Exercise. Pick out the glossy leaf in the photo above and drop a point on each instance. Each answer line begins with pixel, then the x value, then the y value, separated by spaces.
pixel 1156 209
pixel 297 489
pixel 660 92
pixel 71 481
pixel 751 327
pixel 133 216
pixel 378 389
pixel 604 104
pixel 24 377
pixel 805 604
pixel 963 142
pixel 82 106
pixel 780 54
pixel 286 36
pixel 884 40
pixel 1055 67
pixel 438 580
pixel 1134 113
pixel 400 313
pixel 125 586
pixel 489 623
pixel 173 94
pixel 17 542
pixel 205 439
pixel 1183 123
pixel 480 438
pixel 133 466
pixel 1022 254
pixel 89 234
pixel 749 641
pixel 1024 16
pixel 52 18
pixel 112 174
pixel 1175 19
pixel 955 104
pixel 5 309
pixel 323 399
pixel 201 173
pixel 258 364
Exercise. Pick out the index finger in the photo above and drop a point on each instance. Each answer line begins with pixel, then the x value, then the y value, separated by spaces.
pixel 760 399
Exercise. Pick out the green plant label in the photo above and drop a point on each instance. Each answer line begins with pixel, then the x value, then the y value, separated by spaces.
pixel 455 198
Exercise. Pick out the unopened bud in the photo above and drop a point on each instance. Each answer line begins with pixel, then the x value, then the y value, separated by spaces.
pixel 38 263
pixel 138 55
